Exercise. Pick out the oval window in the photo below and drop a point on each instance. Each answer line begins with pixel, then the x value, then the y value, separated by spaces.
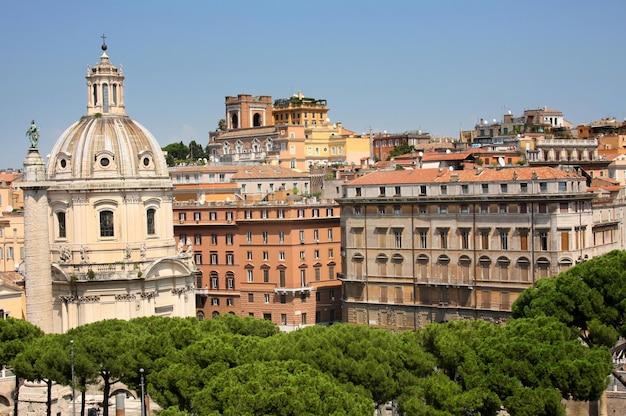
pixel 63 163
pixel 146 161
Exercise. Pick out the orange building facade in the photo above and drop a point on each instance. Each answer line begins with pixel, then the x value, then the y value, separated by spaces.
pixel 277 258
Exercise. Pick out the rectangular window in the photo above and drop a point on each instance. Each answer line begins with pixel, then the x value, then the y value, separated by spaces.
pixel 281 213
pixel 61 222
pixel 330 234
pixel 213 239
pixel 565 240
pixel 182 217
pixel 197 239
pixel 213 256
pixel 443 237
pixel 543 240
pixel 249 255
pixel 423 239
pixel 465 239
pixel 464 189
pixel 266 298
pixel 444 189
pixel 543 208
pixel 316 254
pixel 397 210
pixel 212 215
pixel 281 255
pixel 229 239
pixel 504 240
pixel 523 188
pixel 381 210
pixel 196 216
pixel 485 188
pixel 484 240
pixel 250 275
pixel 357 210
pixel 422 190
pixel 381 191
pixel 266 255
pixel 230 301
pixel 397 191
pixel 357 191
pixel 443 209
pixel 302 236
pixel 504 188
pixel 264 213
pixel 422 209
pixel 562 186
pixel 300 213
pixel 331 253
pixel 198 258
pixel 523 241
pixel 249 237
pixel 503 208
pixel 250 297
pixel 398 238
pixel 230 258
pixel 464 209
pixel 329 212
pixel 264 237
pixel 543 186
pixel 266 275
pixel 106 223
pixel 281 237
pixel 316 212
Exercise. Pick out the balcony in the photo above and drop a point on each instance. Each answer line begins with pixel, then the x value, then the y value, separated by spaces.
pixel 294 291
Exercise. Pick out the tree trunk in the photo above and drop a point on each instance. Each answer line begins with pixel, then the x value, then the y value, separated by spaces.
pixel 49 397
pixel 16 396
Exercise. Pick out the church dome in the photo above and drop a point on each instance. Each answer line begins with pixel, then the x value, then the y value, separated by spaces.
pixel 106 146
pixel 106 143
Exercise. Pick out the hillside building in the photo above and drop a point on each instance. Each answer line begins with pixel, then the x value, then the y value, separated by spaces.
pixel 267 251
pixel 432 245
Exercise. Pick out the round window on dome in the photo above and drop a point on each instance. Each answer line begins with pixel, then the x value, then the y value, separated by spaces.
pixel 104 162
pixel 146 161
pixel 63 163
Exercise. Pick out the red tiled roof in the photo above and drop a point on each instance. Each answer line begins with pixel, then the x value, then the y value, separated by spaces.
pixel 444 175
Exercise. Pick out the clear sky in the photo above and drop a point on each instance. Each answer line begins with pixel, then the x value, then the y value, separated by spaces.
pixel 438 66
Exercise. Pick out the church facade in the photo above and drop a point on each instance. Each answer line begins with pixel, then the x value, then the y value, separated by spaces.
pixel 99 238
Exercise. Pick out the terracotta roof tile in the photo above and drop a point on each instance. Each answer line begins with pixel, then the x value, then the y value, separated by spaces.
pixel 444 175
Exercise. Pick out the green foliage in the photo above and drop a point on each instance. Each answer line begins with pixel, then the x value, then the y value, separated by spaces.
pixel 279 388
pixel 401 150
pixel 15 335
pixel 91 274
pixel 590 298
pixel 245 366
pixel 221 124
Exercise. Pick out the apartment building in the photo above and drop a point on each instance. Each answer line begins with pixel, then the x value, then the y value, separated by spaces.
pixel 272 251
pixel 432 245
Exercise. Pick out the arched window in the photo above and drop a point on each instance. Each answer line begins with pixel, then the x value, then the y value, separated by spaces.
pixel 61 231
pixel 234 121
pixel 200 316
pixel 256 120
pixel 215 314
pixel 150 221
pixel 106 223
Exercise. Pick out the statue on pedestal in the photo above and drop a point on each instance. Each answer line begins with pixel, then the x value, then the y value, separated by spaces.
pixel 33 134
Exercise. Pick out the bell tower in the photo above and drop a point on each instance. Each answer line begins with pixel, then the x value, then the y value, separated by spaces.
pixel 105 87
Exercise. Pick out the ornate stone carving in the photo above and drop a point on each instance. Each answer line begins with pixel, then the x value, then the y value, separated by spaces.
pixel 147 295
pixel 79 299
pixel 127 297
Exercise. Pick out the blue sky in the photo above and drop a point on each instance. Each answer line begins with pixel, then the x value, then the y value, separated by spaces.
pixel 438 66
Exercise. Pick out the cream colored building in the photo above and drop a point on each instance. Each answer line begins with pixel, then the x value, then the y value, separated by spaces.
pixel 98 220
pixel 433 245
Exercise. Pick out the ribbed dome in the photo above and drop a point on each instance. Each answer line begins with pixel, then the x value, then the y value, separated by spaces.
pixel 106 147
